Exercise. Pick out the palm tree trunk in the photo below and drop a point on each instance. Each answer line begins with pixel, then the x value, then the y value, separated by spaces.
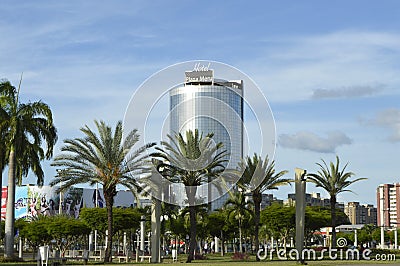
pixel 109 204
pixel 10 215
pixel 333 216
pixel 257 205
pixel 191 193
pixel 240 237
pixel 192 243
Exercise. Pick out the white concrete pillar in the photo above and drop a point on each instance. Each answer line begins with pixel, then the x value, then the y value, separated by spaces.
pixel 106 238
pixel 382 237
pixel 216 244
pixel 137 247
pixel 95 240
pixel 142 234
pixel 355 238
pixel 125 244
pixel 90 241
pixel 20 247
pixel 60 211
pixel 395 238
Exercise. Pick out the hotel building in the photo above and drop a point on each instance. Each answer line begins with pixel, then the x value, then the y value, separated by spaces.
pixel 210 105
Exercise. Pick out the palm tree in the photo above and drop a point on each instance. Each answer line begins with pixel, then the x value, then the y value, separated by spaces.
pixel 26 127
pixel 334 181
pixel 239 208
pixel 191 161
pixel 106 159
pixel 258 176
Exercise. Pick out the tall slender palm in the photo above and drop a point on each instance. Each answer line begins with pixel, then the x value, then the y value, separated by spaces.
pixel 26 127
pixel 240 207
pixel 191 160
pixel 258 176
pixel 106 159
pixel 334 181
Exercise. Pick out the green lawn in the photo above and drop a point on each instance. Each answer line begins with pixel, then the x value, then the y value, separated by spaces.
pixel 217 260
pixel 227 260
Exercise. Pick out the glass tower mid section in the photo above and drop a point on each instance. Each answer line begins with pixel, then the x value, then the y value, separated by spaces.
pixel 210 106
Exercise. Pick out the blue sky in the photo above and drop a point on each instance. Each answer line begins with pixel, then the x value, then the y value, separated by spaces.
pixel 329 69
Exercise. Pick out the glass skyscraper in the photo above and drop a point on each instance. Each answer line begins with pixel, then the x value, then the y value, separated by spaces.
pixel 210 105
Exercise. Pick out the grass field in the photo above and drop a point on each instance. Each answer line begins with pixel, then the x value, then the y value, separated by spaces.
pixel 217 260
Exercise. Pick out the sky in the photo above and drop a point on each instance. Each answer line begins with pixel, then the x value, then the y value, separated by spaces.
pixel 329 69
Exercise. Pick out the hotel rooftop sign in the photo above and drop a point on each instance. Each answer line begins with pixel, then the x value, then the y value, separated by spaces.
pixel 200 73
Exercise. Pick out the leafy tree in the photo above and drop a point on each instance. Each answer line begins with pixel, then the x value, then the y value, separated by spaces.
pixel 364 236
pixel 24 126
pixel 169 212
pixel 392 236
pixel 348 236
pixel 191 160
pixel 317 217
pixel 201 220
pixel 106 159
pixel 334 181
pixel 35 232
pixel 259 176
pixel 239 208
pixel 376 235
pixel 219 226
pixel 280 220
pixel 177 226
pixel 123 218
pixel 66 231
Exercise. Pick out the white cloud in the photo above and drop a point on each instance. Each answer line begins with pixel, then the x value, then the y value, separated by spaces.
pixel 351 62
pixel 390 119
pixel 310 141
pixel 347 92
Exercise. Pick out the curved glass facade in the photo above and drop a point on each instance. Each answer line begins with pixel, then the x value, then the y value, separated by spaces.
pixel 211 108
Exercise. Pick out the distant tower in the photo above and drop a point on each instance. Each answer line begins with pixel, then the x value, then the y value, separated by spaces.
pixel 211 106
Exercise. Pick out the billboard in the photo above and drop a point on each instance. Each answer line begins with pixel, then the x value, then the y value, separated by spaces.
pixel 41 200
pixel 20 205
pixel 31 201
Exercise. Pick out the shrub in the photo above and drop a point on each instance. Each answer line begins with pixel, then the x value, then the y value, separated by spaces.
pixel 240 256
pixel 200 257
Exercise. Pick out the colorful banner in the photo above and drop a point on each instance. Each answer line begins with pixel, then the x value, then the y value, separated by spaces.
pixel 3 202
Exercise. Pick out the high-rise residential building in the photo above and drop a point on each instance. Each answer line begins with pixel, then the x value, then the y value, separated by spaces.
pixel 313 199
pixel 388 202
pixel 210 105
pixel 360 213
